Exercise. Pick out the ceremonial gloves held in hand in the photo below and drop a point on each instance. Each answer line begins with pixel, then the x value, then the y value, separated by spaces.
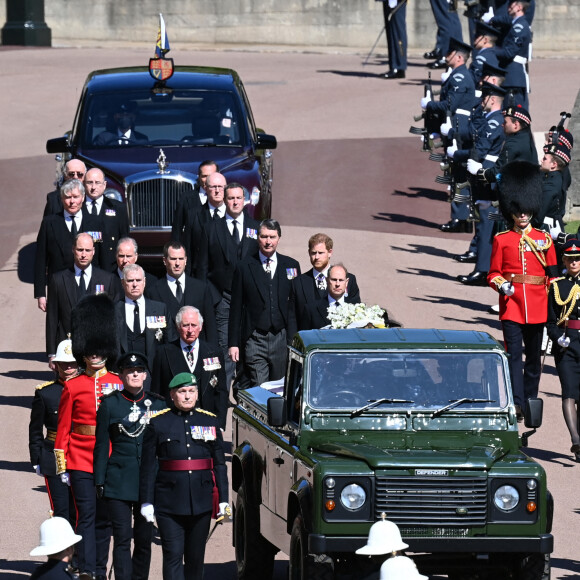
pixel 445 75
pixel 424 102
pixel 452 149
pixel 392 4
pixel 65 478
pixel 225 510
pixel 564 341
pixel 473 166
pixel 507 289
pixel 488 15
pixel 148 512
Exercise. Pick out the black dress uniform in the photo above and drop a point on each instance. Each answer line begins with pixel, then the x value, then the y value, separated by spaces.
pixel 183 459
pixel 53 570
pixel 121 423
pixel 45 414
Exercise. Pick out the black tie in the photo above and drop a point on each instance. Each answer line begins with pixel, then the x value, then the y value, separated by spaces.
pixel 82 288
pixel 73 227
pixel 136 319
pixel 94 209
pixel 215 214
pixel 235 232
pixel 178 292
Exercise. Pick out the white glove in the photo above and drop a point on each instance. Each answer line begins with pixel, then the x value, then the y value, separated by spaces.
pixel 554 233
pixel 65 478
pixel 225 510
pixel 473 166
pixel 478 94
pixel 564 341
pixel 452 149
pixel 424 102
pixel 508 289
pixel 392 4
pixel 148 512
pixel 445 128
pixel 488 15
pixel 445 75
pixel 37 469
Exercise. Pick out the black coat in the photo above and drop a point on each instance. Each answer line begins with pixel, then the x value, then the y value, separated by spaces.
pixel 52 570
pixel 169 436
pixel 153 338
pixel 188 204
pixel 316 313
pixel 62 298
pixel 212 387
pixel 54 248
pixel 196 293
pixel 248 295
pixel 119 472
pixel 218 255
pixel 53 203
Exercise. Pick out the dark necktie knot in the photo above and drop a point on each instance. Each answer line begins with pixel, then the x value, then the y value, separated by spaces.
pixel 136 318
pixel 178 292
pixel 235 232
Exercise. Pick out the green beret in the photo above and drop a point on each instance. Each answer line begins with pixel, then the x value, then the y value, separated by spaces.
pixel 183 380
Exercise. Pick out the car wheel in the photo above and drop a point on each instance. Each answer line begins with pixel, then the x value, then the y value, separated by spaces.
pixel 302 565
pixel 534 567
pixel 254 554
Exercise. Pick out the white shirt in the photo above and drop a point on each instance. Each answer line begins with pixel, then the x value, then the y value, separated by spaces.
pixel 173 286
pixel 273 262
pixel 89 203
pixel 68 218
pixel 202 196
pixel 332 301
pixel 194 350
pixel 88 272
pixel 130 312
pixel 239 221
pixel 221 210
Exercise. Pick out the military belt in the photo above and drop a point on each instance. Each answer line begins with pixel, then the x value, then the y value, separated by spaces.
pixel 574 324
pixel 84 429
pixel 525 279
pixel 185 464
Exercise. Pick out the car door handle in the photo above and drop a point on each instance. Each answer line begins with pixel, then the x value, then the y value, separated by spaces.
pixel 278 461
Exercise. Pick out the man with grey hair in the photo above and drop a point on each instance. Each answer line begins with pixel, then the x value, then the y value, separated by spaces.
pixel 128 253
pixel 142 324
pixel 56 235
pixel 73 169
pixel 190 354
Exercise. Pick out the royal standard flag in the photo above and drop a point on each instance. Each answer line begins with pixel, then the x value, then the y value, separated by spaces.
pixel 162 46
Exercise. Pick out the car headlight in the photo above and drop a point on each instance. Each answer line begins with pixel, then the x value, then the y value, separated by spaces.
pixel 353 497
pixel 506 498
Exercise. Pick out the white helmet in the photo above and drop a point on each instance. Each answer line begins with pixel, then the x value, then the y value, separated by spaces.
pixel 56 534
pixel 400 568
pixel 384 538
pixel 64 352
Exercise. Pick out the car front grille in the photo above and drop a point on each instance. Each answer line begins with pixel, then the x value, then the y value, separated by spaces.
pixel 432 501
pixel 153 202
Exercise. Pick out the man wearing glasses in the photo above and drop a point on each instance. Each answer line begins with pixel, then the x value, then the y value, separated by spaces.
pixel 74 169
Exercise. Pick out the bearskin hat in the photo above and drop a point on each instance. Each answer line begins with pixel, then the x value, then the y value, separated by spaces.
pixel 94 329
pixel 520 189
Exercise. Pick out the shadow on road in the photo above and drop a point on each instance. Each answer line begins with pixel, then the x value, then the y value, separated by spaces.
pixel 550 456
pixel 17 401
pixel 15 466
pixel 408 219
pixel 28 356
pixel 414 192
pixel 26 257
pixel 569 565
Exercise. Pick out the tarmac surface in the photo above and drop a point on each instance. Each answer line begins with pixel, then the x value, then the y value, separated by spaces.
pixel 346 164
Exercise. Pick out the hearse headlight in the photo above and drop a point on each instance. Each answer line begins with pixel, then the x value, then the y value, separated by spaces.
pixel 506 498
pixel 353 497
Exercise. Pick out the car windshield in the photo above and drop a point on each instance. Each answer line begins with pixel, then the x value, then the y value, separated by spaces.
pixel 427 380
pixel 142 118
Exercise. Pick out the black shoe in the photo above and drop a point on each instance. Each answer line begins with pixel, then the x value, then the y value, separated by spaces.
pixel 467 258
pixel 474 279
pixel 441 63
pixel 519 414
pixel 434 54
pixel 457 226
pixel 394 74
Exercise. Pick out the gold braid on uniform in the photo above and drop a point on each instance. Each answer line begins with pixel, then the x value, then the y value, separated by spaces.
pixel 537 250
pixel 570 300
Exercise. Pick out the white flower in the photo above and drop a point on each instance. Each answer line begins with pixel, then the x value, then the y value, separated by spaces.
pixel 355 316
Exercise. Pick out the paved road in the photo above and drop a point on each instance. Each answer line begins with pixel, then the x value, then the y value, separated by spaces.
pixel 346 165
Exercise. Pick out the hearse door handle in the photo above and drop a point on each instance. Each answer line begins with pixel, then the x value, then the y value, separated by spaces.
pixel 278 461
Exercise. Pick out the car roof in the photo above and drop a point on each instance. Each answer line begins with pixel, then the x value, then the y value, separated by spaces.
pixel 400 338
pixel 184 77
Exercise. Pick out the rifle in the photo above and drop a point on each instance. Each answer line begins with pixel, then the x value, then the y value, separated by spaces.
pixel 423 131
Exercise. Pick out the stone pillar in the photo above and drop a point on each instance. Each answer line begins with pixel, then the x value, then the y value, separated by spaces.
pixel 25 24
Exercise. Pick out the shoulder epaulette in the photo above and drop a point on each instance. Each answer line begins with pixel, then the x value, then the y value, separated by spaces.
pixel 205 412
pixel 41 386
pixel 504 232
pixel 558 279
pixel 157 413
pixel 107 395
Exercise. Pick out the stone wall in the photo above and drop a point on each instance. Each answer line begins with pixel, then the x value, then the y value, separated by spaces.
pixel 304 23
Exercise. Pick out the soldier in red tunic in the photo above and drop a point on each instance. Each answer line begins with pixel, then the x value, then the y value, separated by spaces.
pixel 94 343
pixel 523 262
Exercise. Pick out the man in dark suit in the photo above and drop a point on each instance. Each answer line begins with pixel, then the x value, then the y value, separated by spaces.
pixel 176 289
pixel 113 215
pixel 190 354
pixel 122 132
pixel 73 169
pixel 142 324
pixel 128 253
pixel 223 244
pixel 68 286
pixel 189 203
pixel 56 236
pixel 259 307
pixel 312 285
pixel 316 313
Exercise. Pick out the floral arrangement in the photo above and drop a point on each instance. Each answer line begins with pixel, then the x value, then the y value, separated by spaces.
pixel 356 316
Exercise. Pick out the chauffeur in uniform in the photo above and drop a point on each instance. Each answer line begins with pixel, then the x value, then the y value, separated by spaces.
pixel 94 343
pixel 121 421
pixel 183 479
pixel 45 414
pixel 523 260
pixel 563 327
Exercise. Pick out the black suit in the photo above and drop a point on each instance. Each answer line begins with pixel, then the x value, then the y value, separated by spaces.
pixel 315 314
pixel 193 232
pixel 196 293
pixel 305 291
pixel 113 138
pixel 63 297
pixel 115 225
pixel 189 203
pixel 54 248
pixel 152 308
pixel 53 203
pixel 170 361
